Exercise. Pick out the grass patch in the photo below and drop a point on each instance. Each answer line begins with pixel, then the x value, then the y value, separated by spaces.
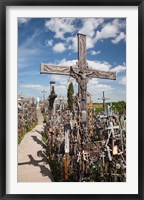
pixel 30 128
pixel 21 135
pixel 44 139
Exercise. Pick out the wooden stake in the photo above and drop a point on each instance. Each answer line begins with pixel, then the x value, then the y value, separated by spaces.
pixel 66 166
pixel 90 116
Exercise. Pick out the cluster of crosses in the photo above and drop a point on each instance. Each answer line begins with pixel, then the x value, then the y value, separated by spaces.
pixel 81 155
pixel 27 117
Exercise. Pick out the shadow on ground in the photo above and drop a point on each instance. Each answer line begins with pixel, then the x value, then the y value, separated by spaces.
pixel 40 132
pixel 43 170
pixel 38 141
pixel 41 154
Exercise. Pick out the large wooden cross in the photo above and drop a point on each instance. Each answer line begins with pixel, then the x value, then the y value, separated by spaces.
pixel 81 71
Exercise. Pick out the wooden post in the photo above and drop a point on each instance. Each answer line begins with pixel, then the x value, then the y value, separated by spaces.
pixel 90 114
pixel 66 166
pixel 90 118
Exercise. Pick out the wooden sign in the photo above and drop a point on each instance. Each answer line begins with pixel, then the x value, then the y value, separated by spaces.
pixel 115 150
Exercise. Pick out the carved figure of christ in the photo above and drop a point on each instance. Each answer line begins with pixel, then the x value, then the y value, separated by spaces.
pixel 81 71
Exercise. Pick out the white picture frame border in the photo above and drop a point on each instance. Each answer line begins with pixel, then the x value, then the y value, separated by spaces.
pixel 131 15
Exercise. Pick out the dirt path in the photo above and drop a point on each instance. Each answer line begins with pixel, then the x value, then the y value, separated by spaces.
pixel 31 158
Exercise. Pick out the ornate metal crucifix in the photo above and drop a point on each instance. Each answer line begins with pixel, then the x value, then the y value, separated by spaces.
pixel 81 71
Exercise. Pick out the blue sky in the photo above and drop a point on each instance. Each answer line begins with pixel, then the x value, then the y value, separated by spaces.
pixel 54 41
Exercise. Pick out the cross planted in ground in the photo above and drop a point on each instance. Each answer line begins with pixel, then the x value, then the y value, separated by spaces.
pixel 103 99
pixel 81 72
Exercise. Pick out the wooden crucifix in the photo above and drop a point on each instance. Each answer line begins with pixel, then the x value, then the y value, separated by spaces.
pixel 80 72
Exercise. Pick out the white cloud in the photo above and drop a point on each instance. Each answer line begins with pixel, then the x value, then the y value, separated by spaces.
pixel 60 26
pixel 108 31
pixel 23 20
pixel 119 68
pixel 120 37
pixel 99 65
pixel 111 30
pixel 72 43
pixel 94 85
pixel 49 43
pixel 94 53
pixel 89 26
pixel 93 82
pixel 68 63
pixel 89 43
pixel 96 90
pixel 123 80
pixel 103 87
pixel 59 47
pixel 61 79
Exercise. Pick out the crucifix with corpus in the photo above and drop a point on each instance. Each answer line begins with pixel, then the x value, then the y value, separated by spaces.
pixel 80 72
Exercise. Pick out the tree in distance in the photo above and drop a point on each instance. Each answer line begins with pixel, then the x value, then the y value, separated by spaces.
pixel 70 93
